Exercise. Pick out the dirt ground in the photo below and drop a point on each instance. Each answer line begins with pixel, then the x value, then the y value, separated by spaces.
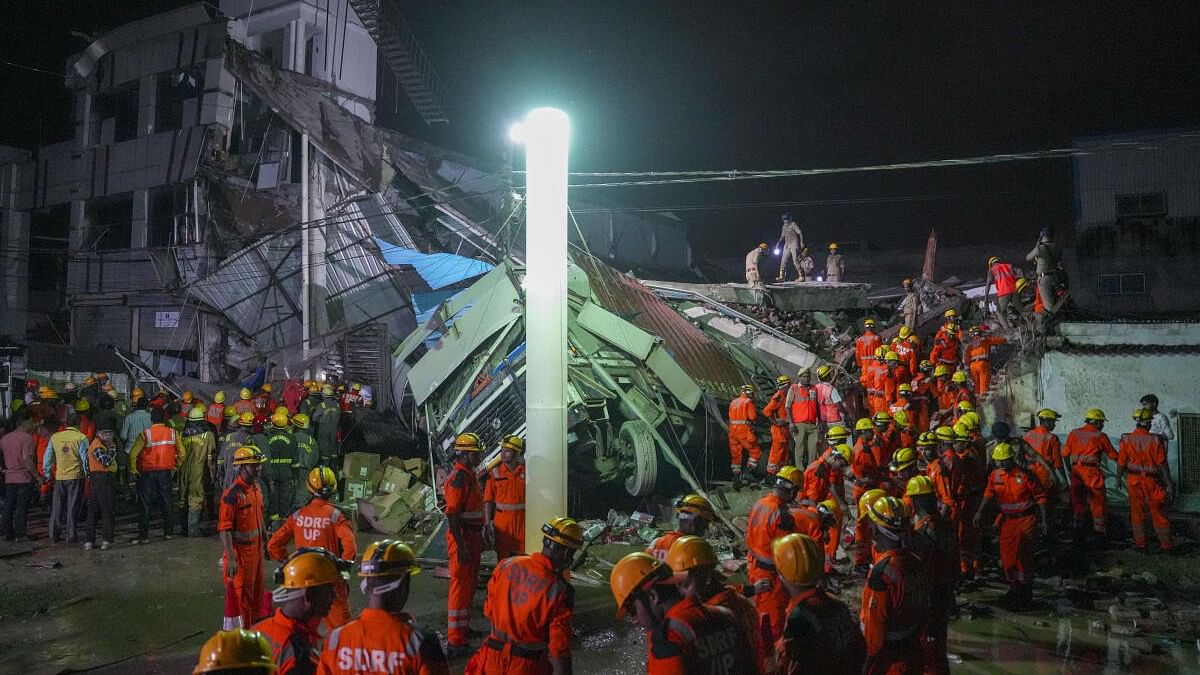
pixel 147 609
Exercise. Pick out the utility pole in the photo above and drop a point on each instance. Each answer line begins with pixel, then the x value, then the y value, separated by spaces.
pixel 305 255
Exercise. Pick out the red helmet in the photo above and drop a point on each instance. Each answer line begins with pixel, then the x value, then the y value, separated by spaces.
pixel 31 384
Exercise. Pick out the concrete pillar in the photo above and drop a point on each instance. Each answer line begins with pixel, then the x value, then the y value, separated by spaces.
pixel 293 46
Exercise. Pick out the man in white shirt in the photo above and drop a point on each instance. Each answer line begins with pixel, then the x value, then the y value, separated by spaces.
pixel 1159 423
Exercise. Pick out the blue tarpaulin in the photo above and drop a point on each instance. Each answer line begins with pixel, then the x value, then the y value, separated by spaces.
pixel 437 269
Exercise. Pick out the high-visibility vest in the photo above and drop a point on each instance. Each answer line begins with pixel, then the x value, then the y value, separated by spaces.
pixel 159 451
pixel 828 409
pixel 215 414
pixel 741 410
pixel 804 404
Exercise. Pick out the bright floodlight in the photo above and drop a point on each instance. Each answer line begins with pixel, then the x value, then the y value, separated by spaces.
pixel 516 133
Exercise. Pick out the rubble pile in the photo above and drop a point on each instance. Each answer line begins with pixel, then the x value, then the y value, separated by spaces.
pixel 391 496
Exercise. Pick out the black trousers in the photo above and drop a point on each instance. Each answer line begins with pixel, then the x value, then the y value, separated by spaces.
pixel 154 486
pixel 16 508
pixel 102 505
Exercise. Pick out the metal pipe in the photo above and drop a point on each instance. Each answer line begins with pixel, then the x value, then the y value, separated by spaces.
pixel 305 256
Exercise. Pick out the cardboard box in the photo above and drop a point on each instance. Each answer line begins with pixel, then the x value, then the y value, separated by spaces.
pixel 415 497
pixel 415 466
pixel 394 480
pixel 360 489
pixel 384 504
pixel 395 521
pixel 359 466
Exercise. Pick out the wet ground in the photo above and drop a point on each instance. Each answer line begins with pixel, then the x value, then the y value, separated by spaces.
pixel 147 609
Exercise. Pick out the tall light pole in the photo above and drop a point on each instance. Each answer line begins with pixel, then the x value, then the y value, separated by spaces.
pixel 546 135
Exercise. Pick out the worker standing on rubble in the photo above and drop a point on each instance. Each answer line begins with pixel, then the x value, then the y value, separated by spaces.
pixel 895 600
pixel 979 348
pixel 802 405
pixel 769 519
pixel 215 413
pixel 464 539
pixel 935 544
pixel 1019 495
pixel 306 581
pixel 281 455
pixel 241 528
pixel 866 345
pixel 742 439
pixel 155 456
pixel 1001 274
pixel 307 456
pixel 384 639
pixel 819 634
pixel 829 400
pixel 776 412
pixel 693 514
pixel 1047 256
pixel 1142 463
pixel 947 342
pixel 199 446
pixel 753 279
pixel 694 563
pixel 1085 451
pixel 320 524
pixel 835 265
pixel 529 605
pixel 792 239
pixel 327 416
pixel 683 635
pixel 807 265
pixel 910 305
pixel 504 500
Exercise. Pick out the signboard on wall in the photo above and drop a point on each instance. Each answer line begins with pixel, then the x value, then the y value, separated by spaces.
pixel 166 319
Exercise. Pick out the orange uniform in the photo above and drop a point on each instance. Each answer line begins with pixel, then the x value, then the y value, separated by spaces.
pixel 1086 448
pixel 746 615
pixel 776 413
pixel 243 406
pixel 660 546
pixel 741 435
pixel 921 401
pixel 895 609
pixel 876 402
pixel 320 523
pixel 241 514
pixel 946 348
pixel 464 499
pixel 979 360
pixel 864 348
pixel 1142 456
pixel 215 415
pixel 935 544
pixel 1018 493
pixel 378 642
pixel 820 635
pixel 506 490
pixel 971 486
pixel 1046 445
pixel 868 474
pixel 529 605
pixel 907 352
pixel 698 638
pixel 293 643
pixel 769 520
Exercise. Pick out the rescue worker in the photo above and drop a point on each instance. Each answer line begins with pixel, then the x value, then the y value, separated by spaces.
pixel 776 412
pixel 830 406
pixel 979 349
pixel 876 370
pixel 694 563
pixel 67 458
pixel 824 478
pixel 529 605
pixel 320 524
pixel 910 305
pixel 807 265
pixel 1001 274
pixel 1019 495
pixel 693 514
pixel 280 448
pixel 199 444
pixel 835 266
pixel 307 456
pixel 895 373
pixel 864 547
pixel 215 413
pixel 306 581
pixel 1043 441
pixel 742 439
pixel 866 344
pixel 1084 453
pixel 792 238
pixel 327 417
pixel 901 469
pixel 186 402
pixel 264 404
pixel 1160 424
pixel 1047 257
pixel 683 635
pixel 1142 463
pixel 869 475
pixel 936 545
pixel 895 600
pixel 973 476
pixel 87 426
pixel 384 638
pixel 922 402
pixel 155 456
pixel 802 406
pixel 464 539
pixel 244 652
pixel 238 436
pixel 244 404
pixel 753 278
pixel 504 500
pixel 769 519
pixel 819 634
pixel 907 351
pixel 241 528
pixel 947 343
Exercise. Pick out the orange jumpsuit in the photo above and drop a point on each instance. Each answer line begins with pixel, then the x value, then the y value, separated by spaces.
pixel 777 414
pixel 320 523
pixel 747 618
pixel 1086 448
pixel 819 630
pixel 243 406
pixel 1046 445
pixel 696 638
pixel 293 643
pixel 876 402
pixel 946 348
pixel 887 385
pixel 868 474
pixel 215 415
pixel 379 642
pixel 506 490
pixel 241 514
pixel 1143 455
pixel 741 435
pixel 935 544
pixel 922 401
pixel 1018 493
pixel 660 546
pixel 864 348
pixel 464 499
pixel 529 605
pixel 895 609
pixel 769 520
pixel 907 353
pixel 978 360
pixel 970 492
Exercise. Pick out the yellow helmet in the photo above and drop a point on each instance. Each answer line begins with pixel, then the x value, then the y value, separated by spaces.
pixel 959 377
pixel 843 450
pixel 944 433
pixel 248 454
pixel 467 442
pixel 300 420
pixel 1095 414
pixel 690 552
pixel 868 323
pixel 308 567
pixel 868 498
pixel 902 459
pixel 833 247
pixel 763 245
pixel 236 649
pixel 901 418
pixel 244 394
pixel 783 381
pixel 246 419
pixel 799 559
pixel 888 512
pixel 831 508
pixel 972 420
pixel 47 393
pixel 564 531
pixel 837 432
pixel 1048 414
pixel 863 424
pixel 633 574
pixel 1142 415
pixel 281 409
pixel 926 439
pixel 280 419
pixel 746 389
pixel 219 397
pixel 697 505
pixel 824 371
pixel 196 414
pixel 965 406
pixel 891 356
pixel 82 405
pixel 1002 451
pixel 962 432
pixel 880 352
pixel 950 313
pixel 1021 284
pixel 941 370
pixel 322 481
pixel 905 331
pixel 267 387
pixel 89 380
pixel 357 386
pixel 388 558
pixel 188 397
pixel 514 443
pixel 327 390
pixel 904 388
pixel 993 260
pixel 882 418
pixel 919 485
pixel 231 413
pixel 137 393
pixel 789 475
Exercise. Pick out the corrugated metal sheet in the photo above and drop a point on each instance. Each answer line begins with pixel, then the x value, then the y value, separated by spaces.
pixel 695 352
pixel 94 324
pixel 1152 163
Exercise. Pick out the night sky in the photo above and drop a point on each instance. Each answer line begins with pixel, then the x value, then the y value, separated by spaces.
pixel 719 85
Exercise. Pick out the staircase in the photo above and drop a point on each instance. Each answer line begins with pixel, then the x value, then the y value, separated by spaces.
pixel 383 20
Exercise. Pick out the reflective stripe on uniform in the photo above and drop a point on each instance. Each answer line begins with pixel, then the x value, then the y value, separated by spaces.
pixel 510 507
pixel 247 535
